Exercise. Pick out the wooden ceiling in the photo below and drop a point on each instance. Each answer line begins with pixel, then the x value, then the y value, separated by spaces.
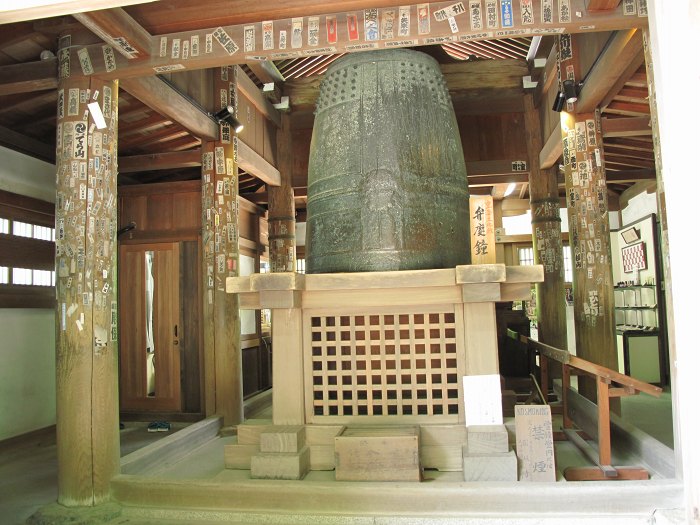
pixel 484 77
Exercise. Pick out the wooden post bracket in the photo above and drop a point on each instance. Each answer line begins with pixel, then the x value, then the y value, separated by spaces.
pixel 605 378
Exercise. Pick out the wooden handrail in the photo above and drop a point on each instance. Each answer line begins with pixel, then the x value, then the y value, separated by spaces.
pixel 573 361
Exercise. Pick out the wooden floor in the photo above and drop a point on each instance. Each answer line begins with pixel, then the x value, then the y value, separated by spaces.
pixel 196 489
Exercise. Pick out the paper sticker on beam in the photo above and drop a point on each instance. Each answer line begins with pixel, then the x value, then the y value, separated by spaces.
pixel 216 55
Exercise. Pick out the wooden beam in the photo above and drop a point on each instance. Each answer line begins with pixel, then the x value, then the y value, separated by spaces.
pixel 629 72
pixel 166 100
pixel 615 177
pixel 611 64
pixel 27 77
pixel 266 71
pixel 49 9
pixel 251 162
pixel 626 126
pixel 440 33
pixel 160 161
pixel 552 149
pixel 602 5
pixel 548 76
pixel 27 145
pixel 249 90
pixel 117 28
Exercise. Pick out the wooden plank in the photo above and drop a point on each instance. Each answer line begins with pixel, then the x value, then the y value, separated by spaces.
pixel 535 444
pixel 27 145
pixel 251 162
pixel 281 209
pixel 163 98
pixel 565 357
pixel 271 465
pixel 630 175
pixel 622 48
pixel 282 438
pixel 237 456
pixel 160 161
pixel 132 68
pixel 447 458
pixel 249 90
pixel 626 126
pixel 487 439
pixel 287 368
pixel 441 435
pixel 266 71
pixel 378 454
pixel 548 77
pixel 602 5
pixel 373 280
pixel 28 77
pixel 323 434
pixel 51 9
pixel 382 297
pixel 552 149
pixel 490 467
pixel 481 340
pixel 480 273
pixel 322 457
pixel 159 454
pixel 606 470
pixel 118 28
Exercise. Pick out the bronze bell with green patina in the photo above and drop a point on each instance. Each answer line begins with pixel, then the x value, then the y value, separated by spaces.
pixel 387 185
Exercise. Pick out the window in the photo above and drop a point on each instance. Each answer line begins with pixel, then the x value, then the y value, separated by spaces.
pixel 568 270
pixel 526 257
pixel 27 252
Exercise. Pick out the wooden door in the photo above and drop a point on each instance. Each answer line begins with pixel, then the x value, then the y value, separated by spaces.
pixel 149 353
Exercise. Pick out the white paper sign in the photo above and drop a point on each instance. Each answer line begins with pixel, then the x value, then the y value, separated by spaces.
pixel 482 400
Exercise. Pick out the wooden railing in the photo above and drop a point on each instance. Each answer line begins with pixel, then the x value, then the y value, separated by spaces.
pixel 610 384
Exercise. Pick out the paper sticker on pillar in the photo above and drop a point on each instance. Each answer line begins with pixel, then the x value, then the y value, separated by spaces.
pixel 353 29
pixel 388 23
pixel 223 38
pixel 283 40
pixel 85 62
pixel 126 48
pixel 423 19
pixel 449 12
pixel 547 13
pixel 249 38
pixel 297 32
pixel 371 25
pixel 506 13
pixel 404 21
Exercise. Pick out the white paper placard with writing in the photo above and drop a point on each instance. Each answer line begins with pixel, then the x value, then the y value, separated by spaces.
pixel 482 400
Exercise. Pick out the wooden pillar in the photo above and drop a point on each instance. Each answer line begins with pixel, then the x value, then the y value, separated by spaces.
pixel 87 410
pixel 222 324
pixel 589 235
pixel 546 236
pixel 281 210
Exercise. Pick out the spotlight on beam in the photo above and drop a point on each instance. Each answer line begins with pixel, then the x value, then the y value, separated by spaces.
pixel 559 102
pixel 226 114
pixel 570 91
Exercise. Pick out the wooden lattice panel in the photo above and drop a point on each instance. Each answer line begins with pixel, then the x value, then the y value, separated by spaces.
pixel 402 363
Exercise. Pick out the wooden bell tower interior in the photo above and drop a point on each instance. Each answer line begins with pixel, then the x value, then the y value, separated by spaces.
pixel 424 394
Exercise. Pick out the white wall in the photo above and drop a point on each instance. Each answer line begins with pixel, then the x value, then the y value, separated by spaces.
pixel 27 336
pixel 27 176
pixel 639 206
pixel 28 371
pixel 674 28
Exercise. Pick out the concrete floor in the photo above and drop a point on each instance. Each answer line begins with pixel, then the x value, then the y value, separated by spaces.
pixel 28 469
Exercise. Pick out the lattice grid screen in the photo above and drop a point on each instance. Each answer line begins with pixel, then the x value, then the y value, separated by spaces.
pixel 388 364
